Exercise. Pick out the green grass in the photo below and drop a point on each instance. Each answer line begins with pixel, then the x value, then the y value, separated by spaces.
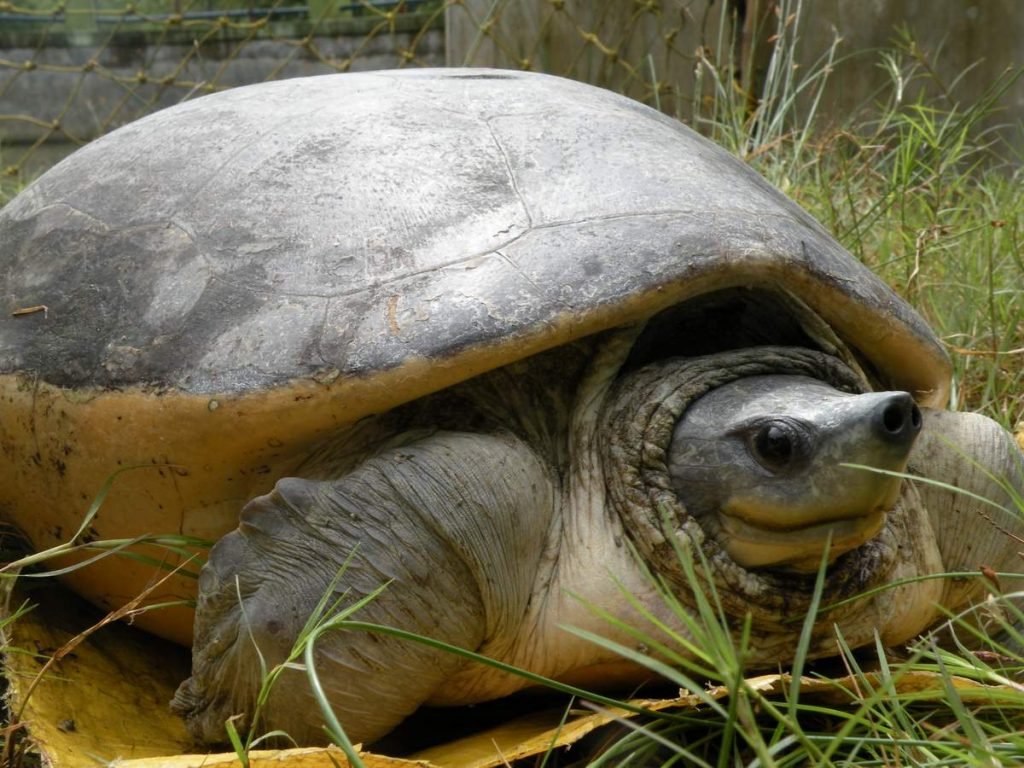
pixel 917 190
pixel 885 724
pixel 884 721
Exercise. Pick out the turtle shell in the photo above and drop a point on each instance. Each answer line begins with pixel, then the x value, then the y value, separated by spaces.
pixel 229 279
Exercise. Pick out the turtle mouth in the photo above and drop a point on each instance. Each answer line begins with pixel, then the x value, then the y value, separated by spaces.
pixel 797 548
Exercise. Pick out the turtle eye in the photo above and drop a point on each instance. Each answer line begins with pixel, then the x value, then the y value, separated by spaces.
pixel 776 445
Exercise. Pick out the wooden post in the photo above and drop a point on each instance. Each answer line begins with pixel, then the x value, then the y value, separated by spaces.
pixel 757 26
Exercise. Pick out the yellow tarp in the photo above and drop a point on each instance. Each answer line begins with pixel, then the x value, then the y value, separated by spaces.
pixel 310 757
pixel 536 734
pixel 104 700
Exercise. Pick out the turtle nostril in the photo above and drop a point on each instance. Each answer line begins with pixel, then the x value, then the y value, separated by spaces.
pixel 893 418
pixel 900 418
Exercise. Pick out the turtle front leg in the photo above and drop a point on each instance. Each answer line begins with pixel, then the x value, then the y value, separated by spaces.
pixel 453 523
pixel 974 454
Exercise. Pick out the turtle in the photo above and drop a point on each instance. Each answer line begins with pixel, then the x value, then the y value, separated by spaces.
pixel 495 349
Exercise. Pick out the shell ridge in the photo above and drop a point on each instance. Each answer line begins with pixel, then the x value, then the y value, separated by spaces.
pixel 533 283
pixel 511 174
pixel 73 209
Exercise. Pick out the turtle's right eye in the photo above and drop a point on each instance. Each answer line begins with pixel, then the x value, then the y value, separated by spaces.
pixel 777 446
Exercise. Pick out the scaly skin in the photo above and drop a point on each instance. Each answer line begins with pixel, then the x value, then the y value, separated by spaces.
pixel 495 535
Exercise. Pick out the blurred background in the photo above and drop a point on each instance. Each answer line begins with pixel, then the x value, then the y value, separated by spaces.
pixel 72 70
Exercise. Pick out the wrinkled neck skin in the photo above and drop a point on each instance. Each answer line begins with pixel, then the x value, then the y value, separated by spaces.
pixel 605 434
pixel 613 492
pixel 538 497
pixel 639 415
pixel 619 510
pixel 591 564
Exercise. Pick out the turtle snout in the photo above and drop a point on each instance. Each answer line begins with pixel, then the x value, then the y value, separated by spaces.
pixel 897 419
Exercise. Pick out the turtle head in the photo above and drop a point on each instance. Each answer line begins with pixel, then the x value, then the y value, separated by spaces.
pixel 762 463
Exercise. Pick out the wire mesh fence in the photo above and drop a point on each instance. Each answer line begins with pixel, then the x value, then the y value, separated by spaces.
pixel 73 70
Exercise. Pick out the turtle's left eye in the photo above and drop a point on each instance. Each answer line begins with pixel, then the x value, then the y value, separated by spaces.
pixel 777 446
